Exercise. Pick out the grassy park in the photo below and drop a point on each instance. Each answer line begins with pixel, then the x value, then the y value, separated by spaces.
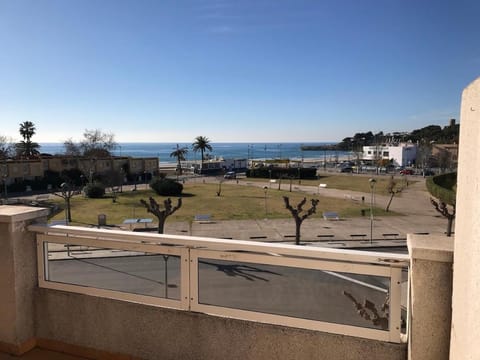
pixel 235 202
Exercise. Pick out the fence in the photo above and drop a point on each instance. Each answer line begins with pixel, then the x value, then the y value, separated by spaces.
pixel 352 292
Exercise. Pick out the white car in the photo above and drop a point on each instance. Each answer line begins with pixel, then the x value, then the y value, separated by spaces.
pixel 230 175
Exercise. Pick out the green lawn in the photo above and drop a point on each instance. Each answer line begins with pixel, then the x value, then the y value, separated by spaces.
pixel 351 182
pixel 235 202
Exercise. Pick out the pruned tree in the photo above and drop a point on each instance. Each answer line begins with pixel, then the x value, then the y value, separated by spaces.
pixel 443 191
pixel 161 212
pixel 66 191
pixel 393 189
pixel 449 214
pixel 299 214
pixel 368 310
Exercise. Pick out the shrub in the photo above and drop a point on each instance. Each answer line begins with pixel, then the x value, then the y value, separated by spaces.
pixel 278 172
pixel 94 191
pixel 443 187
pixel 166 187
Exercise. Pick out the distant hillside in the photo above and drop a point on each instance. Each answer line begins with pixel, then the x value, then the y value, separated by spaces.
pixel 426 135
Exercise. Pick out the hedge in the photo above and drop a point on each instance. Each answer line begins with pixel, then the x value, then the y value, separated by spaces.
pixel 166 187
pixel 277 173
pixel 443 187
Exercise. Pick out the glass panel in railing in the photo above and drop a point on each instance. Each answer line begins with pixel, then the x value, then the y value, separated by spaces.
pixel 335 297
pixel 141 273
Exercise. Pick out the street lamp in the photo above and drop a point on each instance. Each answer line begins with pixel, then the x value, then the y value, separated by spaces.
pixel 5 187
pixel 265 189
pixel 65 188
pixel 372 188
pixel 4 177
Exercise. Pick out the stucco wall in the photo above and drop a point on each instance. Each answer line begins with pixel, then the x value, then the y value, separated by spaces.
pixel 158 333
pixel 466 284
pixel 18 274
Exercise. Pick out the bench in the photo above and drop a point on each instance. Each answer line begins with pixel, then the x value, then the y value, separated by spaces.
pixel 203 218
pixel 394 235
pixel 57 222
pixel 357 236
pixel 330 215
pixel 39 198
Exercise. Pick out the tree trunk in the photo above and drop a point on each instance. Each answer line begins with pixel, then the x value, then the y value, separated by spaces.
pixel 161 224
pixel 389 202
pixel 298 224
pixel 449 225
pixel 69 214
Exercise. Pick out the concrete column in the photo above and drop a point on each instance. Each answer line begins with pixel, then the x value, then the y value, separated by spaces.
pixel 466 274
pixel 431 296
pixel 18 277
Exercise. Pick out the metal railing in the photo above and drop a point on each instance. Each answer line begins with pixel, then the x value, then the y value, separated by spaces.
pixel 349 292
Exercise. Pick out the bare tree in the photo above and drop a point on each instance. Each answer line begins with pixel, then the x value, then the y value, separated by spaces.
pixel 161 213
pixel 67 191
pixel 393 189
pixel 368 310
pixel 7 147
pixel 299 214
pixel 95 143
pixel 443 209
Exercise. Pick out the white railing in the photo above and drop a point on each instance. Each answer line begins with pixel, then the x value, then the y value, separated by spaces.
pixel 337 291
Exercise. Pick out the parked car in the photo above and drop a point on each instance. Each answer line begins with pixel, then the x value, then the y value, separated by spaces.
pixel 346 169
pixel 230 175
pixel 406 172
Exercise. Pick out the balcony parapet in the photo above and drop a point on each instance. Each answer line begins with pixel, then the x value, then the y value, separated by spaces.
pixel 431 279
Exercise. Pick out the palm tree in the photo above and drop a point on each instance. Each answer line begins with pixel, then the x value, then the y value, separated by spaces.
pixel 201 143
pixel 179 153
pixel 27 148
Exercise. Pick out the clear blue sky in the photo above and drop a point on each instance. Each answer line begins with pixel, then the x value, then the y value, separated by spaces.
pixel 233 70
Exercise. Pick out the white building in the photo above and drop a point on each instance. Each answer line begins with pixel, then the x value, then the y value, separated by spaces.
pixel 401 154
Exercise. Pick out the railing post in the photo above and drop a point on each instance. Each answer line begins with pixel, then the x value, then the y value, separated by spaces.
pixel 395 321
pixel 18 277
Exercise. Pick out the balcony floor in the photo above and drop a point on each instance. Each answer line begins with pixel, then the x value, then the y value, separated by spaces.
pixel 41 354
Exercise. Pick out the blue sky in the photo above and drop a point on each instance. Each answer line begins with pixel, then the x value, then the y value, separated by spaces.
pixel 233 70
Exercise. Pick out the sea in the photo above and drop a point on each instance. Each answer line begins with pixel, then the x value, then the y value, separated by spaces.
pixel 234 150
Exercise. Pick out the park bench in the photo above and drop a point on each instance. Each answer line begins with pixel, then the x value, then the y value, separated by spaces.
pixel 390 235
pixel 57 222
pixel 330 215
pixel 358 236
pixel 326 237
pixel 39 198
pixel 203 218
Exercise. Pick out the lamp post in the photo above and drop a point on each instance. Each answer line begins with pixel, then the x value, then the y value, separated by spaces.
pixel 65 188
pixel 4 177
pixel 5 187
pixel 265 189
pixel 372 188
